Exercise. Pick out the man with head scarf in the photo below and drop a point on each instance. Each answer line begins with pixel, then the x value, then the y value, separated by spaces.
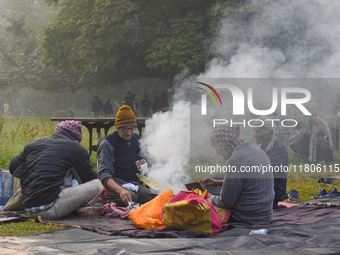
pixel 278 156
pixel 46 168
pixel 119 161
pixel 316 128
pixel 246 190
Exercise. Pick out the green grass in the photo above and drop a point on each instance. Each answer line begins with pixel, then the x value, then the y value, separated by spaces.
pixel 17 131
pixel 27 228
pixel 304 178
pixel 307 187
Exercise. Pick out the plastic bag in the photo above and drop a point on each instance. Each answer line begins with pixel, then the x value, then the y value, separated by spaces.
pixel 189 210
pixel 147 216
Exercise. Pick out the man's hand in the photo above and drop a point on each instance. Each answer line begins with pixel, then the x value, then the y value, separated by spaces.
pixel 139 163
pixel 210 182
pixel 125 196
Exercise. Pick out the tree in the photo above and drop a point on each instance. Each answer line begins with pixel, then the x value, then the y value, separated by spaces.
pixel 20 48
pixel 109 41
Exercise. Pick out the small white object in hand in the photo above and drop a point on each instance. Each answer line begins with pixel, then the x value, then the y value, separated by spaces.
pixel 130 186
pixel 143 167
pixel 133 205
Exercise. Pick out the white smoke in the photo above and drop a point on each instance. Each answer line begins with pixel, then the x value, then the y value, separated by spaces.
pixel 166 145
pixel 282 39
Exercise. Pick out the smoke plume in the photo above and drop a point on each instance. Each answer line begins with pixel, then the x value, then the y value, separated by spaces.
pixel 166 145
pixel 279 39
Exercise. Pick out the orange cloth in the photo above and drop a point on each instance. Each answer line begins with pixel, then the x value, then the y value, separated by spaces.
pixel 148 215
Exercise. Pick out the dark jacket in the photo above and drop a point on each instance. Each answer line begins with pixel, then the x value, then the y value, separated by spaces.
pixel 278 155
pixel 47 165
pixel 116 158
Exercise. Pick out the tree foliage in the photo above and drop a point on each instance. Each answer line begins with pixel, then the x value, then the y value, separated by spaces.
pixel 20 48
pixel 108 41
pixel 104 42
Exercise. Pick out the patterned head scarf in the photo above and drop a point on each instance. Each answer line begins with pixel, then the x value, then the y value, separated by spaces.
pixel 71 127
pixel 227 138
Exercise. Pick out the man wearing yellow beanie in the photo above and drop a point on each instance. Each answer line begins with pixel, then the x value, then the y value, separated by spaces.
pixel 119 161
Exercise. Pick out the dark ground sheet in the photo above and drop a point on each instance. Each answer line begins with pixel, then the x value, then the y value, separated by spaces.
pixel 303 229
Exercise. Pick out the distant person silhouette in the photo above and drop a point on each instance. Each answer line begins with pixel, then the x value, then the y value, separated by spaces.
pixel 320 140
pixel 96 106
pixel 107 108
pixel 154 104
pixel 145 106
pixel 162 104
pixel 6 108
pixel 130 101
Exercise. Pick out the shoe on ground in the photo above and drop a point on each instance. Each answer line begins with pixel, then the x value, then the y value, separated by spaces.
pixel 321 180
pixel 293 195
pixel 328 181
pixel 321 193
pixel 334 193
pixel 90 211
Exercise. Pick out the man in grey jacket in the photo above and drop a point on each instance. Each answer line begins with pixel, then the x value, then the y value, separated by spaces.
pixel 246 189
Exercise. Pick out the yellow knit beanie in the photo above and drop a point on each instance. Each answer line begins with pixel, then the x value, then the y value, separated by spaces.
pixel 125 117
